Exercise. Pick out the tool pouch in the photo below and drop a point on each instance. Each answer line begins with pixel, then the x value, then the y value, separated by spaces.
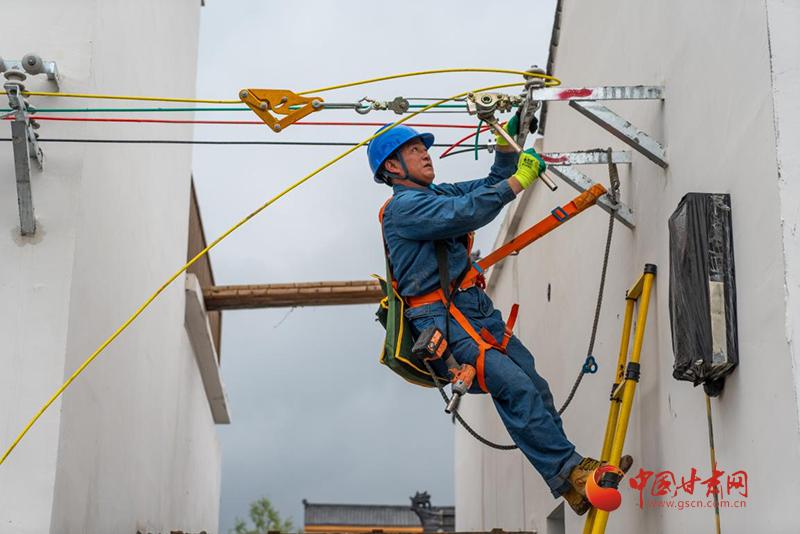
pixel 396 353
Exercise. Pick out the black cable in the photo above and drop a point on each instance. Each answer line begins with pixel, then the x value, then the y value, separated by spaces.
pixel 187 142
pixel 458 417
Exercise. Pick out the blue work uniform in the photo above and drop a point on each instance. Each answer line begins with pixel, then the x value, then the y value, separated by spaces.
pixel 412 221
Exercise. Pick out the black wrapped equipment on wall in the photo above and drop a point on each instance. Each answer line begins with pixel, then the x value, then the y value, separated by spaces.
pixel 702 291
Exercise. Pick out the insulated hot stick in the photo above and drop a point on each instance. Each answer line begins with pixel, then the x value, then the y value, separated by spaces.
pixel 492 122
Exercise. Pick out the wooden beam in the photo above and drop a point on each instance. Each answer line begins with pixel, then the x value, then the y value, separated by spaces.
pixel 291 295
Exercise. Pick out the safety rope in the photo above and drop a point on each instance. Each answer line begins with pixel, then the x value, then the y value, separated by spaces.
pixel 262 207
pixel 590 365
pixel 458 417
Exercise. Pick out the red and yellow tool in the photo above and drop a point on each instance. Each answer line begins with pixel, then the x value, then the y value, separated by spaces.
pixel 432 345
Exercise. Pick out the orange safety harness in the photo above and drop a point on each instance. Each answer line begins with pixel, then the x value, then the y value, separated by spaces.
pixel 475 274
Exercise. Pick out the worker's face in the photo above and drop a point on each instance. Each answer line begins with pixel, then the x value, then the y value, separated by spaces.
pixel 417 159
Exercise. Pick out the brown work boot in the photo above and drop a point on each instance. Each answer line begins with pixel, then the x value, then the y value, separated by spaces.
pixel 576 494
pixel 580 505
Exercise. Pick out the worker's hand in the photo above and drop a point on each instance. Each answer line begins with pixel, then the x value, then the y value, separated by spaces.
pixel 512 127
pixel 529 168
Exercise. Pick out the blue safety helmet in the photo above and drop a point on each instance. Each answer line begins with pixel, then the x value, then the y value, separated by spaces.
pixel 380 148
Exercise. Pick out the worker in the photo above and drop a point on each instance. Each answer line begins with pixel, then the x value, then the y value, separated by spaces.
pixel 419 214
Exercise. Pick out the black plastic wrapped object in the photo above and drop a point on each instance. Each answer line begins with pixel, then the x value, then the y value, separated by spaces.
pixel 702 290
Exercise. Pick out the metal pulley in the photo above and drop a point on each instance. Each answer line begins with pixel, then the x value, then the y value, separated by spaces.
pixel 265 102
pixel 484 105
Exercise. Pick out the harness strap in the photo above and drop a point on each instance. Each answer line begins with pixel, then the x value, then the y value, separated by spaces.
pixel 484 340
pixel 480 362
pixel 512 319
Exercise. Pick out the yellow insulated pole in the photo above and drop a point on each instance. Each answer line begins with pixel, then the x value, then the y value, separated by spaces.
pixel 641 291
pixel 613 410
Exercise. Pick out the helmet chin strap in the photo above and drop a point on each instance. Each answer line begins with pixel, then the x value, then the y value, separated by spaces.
pixel 407 174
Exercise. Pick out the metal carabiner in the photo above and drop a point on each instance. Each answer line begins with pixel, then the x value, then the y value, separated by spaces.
pixel 364 106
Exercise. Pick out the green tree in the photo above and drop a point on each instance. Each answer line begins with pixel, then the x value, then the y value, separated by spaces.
pixel 265 519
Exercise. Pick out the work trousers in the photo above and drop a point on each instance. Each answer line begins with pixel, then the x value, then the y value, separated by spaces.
pixel 520 395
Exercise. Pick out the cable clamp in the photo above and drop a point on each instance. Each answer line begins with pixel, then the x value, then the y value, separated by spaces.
pixel 589 365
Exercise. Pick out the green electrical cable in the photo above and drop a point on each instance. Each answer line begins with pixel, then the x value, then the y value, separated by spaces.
pixel 158 110
pixel 477 135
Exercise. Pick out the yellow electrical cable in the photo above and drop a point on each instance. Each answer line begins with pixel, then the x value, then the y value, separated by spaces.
pixel 549 81
pixel 127 97
pixel 214 243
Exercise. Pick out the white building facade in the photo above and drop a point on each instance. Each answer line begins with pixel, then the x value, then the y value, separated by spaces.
pixel 730 123
pixel 131 446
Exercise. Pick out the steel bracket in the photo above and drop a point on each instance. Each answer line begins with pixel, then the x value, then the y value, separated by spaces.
pixel 610 92
pixel 622 130
pixel 584 100
pixel 26 147
pixel 595 156
pixel 581 182
pixel 40 66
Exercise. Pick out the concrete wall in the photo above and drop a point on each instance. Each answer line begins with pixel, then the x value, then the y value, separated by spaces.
pixel 729 124
pixel 132 444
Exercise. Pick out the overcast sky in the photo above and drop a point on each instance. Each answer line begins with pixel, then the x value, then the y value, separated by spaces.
pixel 313 413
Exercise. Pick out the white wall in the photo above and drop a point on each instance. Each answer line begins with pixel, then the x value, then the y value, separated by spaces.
pixel 132 443
pixel 724 100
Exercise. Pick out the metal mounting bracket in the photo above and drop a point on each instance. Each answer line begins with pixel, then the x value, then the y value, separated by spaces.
pixel 622 130
pixel 595 156
pixel 610 92
pixel 25 146
pixel 33 64
pixel 584 100
pixel 581 182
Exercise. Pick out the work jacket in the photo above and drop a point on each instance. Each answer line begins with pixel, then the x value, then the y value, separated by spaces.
pixel 416 217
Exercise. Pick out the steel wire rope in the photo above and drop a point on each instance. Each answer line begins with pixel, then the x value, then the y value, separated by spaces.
pixel 613 195
pixel 243 221
pixel 549 81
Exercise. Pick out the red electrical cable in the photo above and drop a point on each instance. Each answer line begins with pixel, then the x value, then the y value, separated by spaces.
pixel 178 121
pixel 457 143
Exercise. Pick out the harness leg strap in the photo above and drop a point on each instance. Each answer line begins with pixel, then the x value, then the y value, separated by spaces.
pixel 482 346
pixel 512 319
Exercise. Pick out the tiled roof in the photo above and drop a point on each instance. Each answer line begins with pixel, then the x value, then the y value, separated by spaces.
pixel 360 514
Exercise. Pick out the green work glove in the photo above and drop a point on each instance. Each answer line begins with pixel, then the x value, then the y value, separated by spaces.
pixel 512 127
pixel 529 168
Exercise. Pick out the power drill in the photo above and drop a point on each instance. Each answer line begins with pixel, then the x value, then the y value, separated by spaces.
pixel 432 345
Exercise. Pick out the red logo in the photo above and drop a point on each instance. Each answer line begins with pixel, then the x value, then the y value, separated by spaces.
pixel 665 491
